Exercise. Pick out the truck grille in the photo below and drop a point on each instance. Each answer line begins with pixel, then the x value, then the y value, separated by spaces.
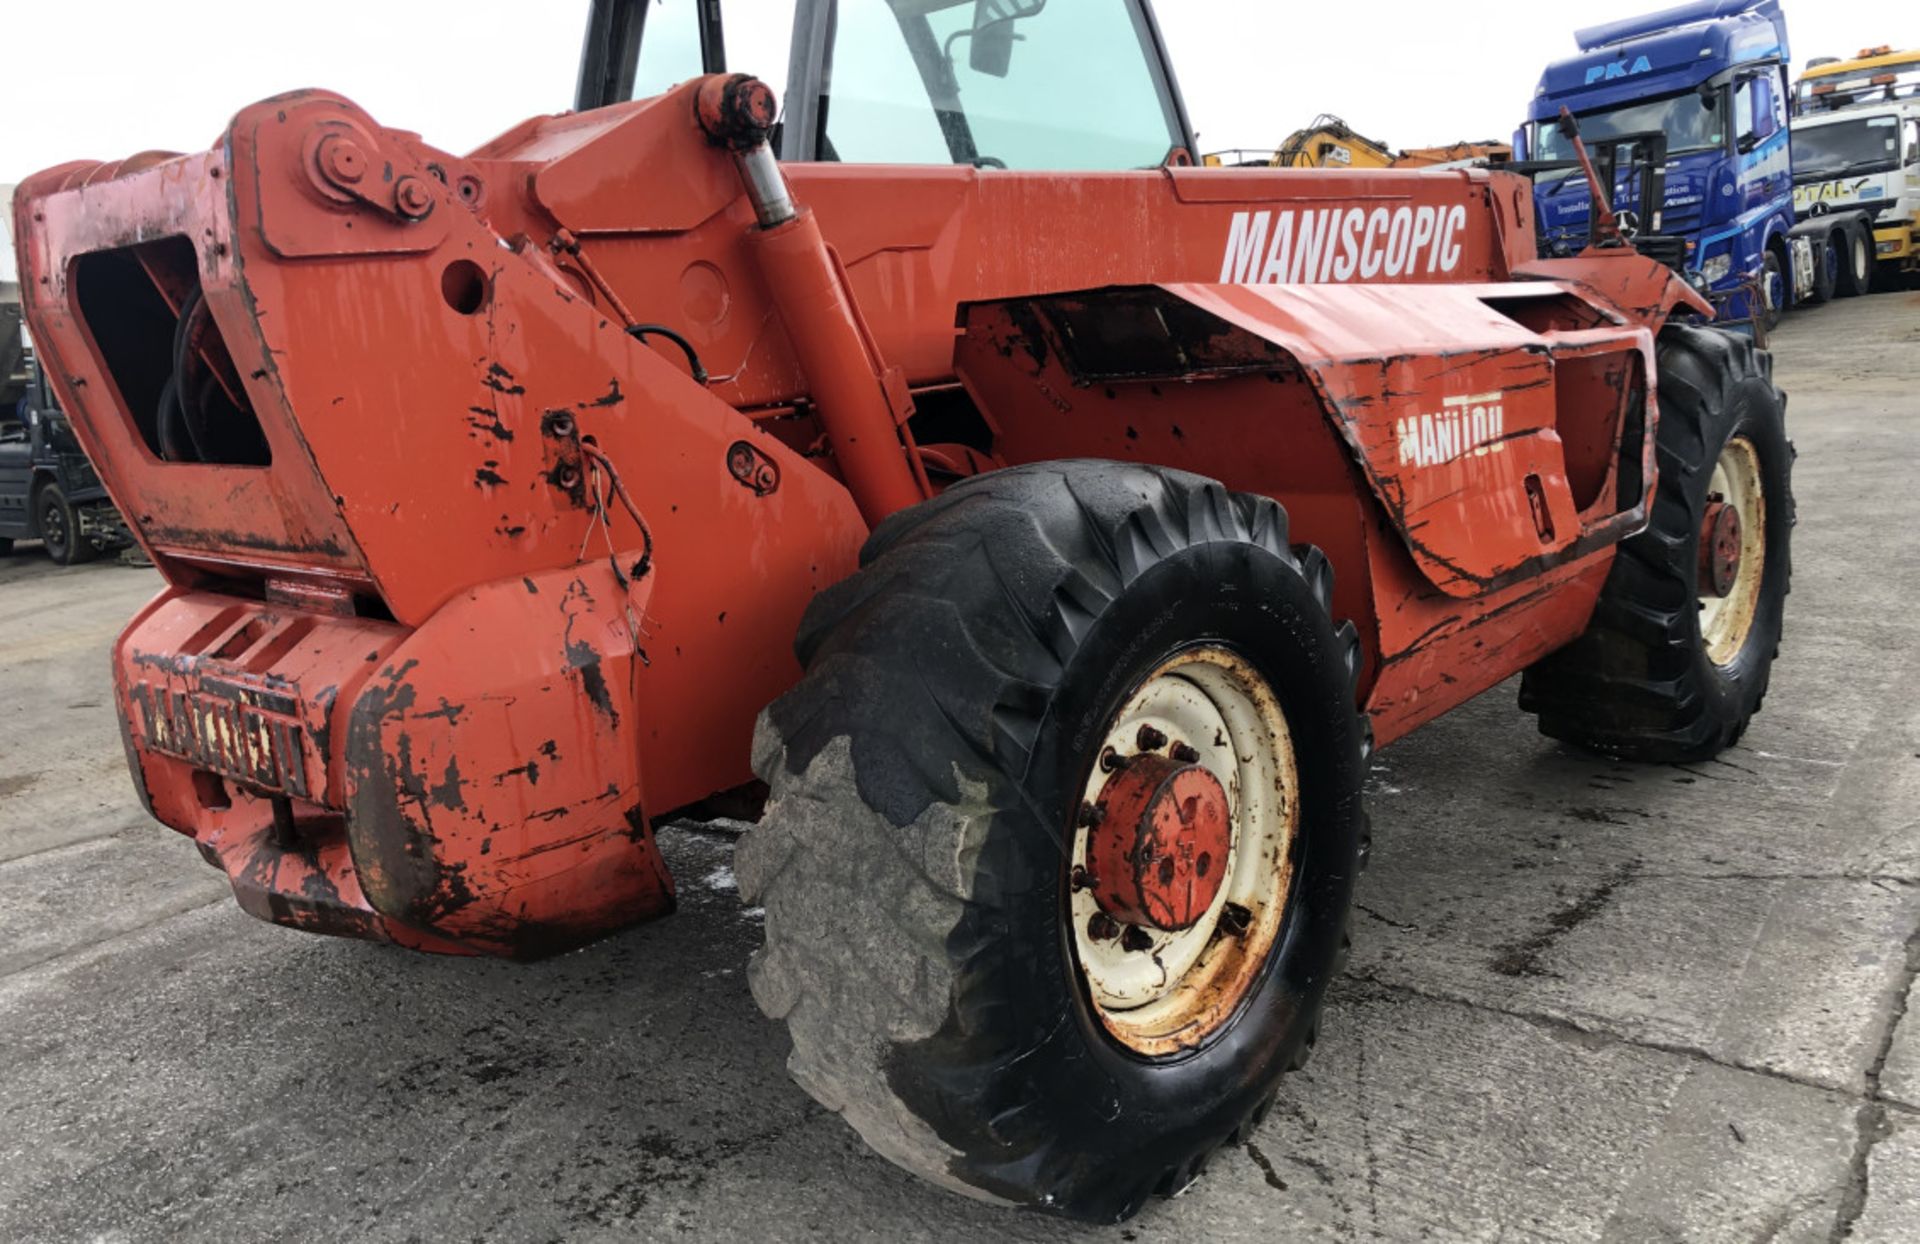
pixel 1664 248
pixel 1685 219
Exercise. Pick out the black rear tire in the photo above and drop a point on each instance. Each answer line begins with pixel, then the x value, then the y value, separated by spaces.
pixel 923 777
pixel 59 525
pixel 1826 273
pixel 1856 266
pixel 1640 683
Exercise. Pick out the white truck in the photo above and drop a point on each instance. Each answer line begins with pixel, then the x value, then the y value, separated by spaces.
pixel 1856 166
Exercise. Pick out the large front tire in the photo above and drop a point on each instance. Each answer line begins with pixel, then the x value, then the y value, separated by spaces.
pixel 929 778
pixel 1672 667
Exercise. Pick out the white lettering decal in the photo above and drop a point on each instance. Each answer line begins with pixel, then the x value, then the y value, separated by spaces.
pixel 1349 244
pixel 1246 239
pixel 1371 253
pixel 1306 256
pixel 1311 245
pixel 1408 430
pixel 1422 234
pixel 1274 270
pixel 1397 236
pixel 1326 262
pixel 1462 427
pixel 1449 247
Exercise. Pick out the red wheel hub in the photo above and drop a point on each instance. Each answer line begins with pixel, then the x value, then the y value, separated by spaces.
pixel 1158 850
pixel 1719 547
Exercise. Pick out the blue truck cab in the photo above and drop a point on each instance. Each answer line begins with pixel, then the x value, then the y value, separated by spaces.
pixel 1712 77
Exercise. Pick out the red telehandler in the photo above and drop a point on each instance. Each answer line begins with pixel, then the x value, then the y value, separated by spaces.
pixel 1051 525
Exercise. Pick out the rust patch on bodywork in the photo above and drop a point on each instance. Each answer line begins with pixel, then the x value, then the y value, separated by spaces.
pixel 544 854
pixel 1457 432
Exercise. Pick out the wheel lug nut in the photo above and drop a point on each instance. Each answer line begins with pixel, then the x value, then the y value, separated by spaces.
pixel 1081 879
pixel 1111 761
pixel 1235 919
pixel 1150 739
pixel 1135 939
pixel 1184 754
pixel 1102 928
pixel 1088 815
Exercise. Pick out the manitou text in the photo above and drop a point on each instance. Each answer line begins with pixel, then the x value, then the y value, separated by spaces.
pixel 1473 425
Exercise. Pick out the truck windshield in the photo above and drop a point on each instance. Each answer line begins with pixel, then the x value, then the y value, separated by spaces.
pixel 1690 122
pixel 1864 145
pixel 1022 84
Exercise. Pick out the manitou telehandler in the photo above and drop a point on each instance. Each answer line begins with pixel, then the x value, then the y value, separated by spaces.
pixel 1118 507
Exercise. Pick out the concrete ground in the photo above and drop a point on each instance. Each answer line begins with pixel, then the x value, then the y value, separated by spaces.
pixel 1588 1000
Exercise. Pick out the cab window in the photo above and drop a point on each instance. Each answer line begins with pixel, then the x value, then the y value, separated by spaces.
pixel 1020 84
pixel 757 36
pixel 670 48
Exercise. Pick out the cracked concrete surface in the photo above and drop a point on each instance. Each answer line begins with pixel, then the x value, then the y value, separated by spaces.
pixel 1588 1000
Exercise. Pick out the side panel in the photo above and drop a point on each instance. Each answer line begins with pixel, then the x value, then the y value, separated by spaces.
pixel 1458 570
pixel 1448 404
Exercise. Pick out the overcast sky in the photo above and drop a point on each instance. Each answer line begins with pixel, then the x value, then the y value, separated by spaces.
pixel 102 79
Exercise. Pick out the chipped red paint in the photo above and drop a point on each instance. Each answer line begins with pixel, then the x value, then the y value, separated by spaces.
pixel 1719 547
pixel 1161 842
pixel 735 110
pixel 416 642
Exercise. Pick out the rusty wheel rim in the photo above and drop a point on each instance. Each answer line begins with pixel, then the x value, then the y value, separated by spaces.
pixel 1156 991
pixel 1726 621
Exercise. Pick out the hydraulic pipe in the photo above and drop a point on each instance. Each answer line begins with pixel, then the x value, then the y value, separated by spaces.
pixel 843 367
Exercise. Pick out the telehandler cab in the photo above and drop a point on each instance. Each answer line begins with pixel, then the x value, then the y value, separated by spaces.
pixel 1053 527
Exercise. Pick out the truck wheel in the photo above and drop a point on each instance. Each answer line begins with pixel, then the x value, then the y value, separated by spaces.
pixel 1675 660
pixel 1062 833
pixel 60 527
pixel 1826 273
pixel 1773 289
pixel 1856 267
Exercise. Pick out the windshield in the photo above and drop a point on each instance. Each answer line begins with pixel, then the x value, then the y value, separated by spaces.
pixel 1022 84
pixel 758 33
pixel 1019 84
pixel 1866 145
pixel 1690 122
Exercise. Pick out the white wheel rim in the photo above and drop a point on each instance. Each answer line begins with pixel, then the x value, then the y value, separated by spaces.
pixel 1184 984
pixel 1726 621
